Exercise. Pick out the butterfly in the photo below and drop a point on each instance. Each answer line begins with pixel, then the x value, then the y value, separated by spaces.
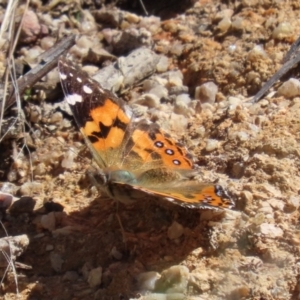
pixel 134 157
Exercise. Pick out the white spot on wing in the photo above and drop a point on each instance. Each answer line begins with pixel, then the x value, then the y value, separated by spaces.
pixel 71 74
pixel 170 199
pixel 63 76
pixel 79 79
pixel 72 99
pixel 169 151
pixel 87 89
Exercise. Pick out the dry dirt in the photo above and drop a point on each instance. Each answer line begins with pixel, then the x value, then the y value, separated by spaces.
pixel 250 252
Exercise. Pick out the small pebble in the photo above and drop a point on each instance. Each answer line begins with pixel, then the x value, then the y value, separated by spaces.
pixel 174 78
pixel 148 100
pixel 87 23
pixel 23 205
pixel 159 91
pixel 47 42
pixel 238 169
pixel 70 276
pixel 56 118
pixel 39 235
pixel 116 254
pixel 56 261
pixel 290 88
pixel 257 52
pixel 206 93
pixel 175 296
pixel 132 18
pixel 40 169
pixel 49 247
pixel 68 160
pixel 241 292
pixel 175 231
pixel 283 30
pixel 178 123
pixel 153 23
pixel 270 230
pixel 85 270
pixel 211 145
pixel 176 49
pixel 238 24
pixel 34 113
pixel 163 64
pixel 31 188
pixel 146 280
pixel 32 55
pixel 155 296
pixel 224 24
pixel 31 27
pixel 292 203
pixel 173 280
pixel 149 84
pixel 48 221
pixel 4 249
pixel 178 90
pixel 234 101
pixel 242 136
pixel 5 200
pixel 183 105
pixel 183 98
pixel 9 188
pixel 84 42
pixel 67 230
pixel 11 247
pixel 94 277
pixel 196 106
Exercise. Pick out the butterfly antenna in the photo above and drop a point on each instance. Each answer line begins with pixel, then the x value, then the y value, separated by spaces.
pixel 144 8
pixel 121 225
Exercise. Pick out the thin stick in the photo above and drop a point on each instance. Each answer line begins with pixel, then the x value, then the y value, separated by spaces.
pixel 48 62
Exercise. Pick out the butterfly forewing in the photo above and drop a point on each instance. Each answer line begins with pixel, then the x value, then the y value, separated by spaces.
pixel 101 117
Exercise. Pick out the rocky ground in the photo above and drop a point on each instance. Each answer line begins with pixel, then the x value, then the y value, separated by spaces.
pixel 208 59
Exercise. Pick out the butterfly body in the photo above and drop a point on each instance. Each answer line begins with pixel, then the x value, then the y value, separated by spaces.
pixel 134 158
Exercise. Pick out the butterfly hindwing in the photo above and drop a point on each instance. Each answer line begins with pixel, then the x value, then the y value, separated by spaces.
pixel 187 194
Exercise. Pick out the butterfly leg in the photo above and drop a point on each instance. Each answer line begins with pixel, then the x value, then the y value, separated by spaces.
pixel 97 179
pixel 121 225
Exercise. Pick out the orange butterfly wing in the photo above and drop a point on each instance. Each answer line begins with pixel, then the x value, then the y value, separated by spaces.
pixel 110 130
pixel 189 194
